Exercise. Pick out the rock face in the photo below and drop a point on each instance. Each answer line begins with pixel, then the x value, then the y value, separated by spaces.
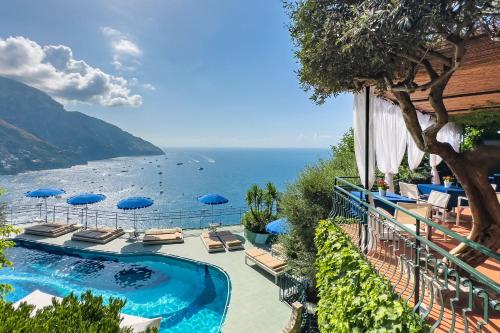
pixel 36 133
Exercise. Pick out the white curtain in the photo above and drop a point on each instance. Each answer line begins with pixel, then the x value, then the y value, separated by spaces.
pixel 415 155
pixel 359 122
pixel 390 138
pixel 449 133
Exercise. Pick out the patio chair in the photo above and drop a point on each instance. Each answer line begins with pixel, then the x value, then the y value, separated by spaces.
pixel 423 210
pixel 230 241
pixel 409 190
pixel 163 236
pixel 98 235
pixel 212 242
pixel 138 324
pixel 439 202
pixel 274 266
pixel 51 229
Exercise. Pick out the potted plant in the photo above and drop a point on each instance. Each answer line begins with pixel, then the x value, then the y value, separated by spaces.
pixel 448 180
pixel 261 203
pixel 382 187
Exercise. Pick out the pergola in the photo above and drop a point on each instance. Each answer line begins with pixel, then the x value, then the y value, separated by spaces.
pixel 475 86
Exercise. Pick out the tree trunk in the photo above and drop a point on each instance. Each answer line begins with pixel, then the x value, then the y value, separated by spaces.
pixel 472 172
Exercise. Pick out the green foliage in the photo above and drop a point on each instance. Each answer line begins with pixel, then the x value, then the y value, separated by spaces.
pixel 309 199
pixel 262 203
pixel 478 126
pixel 88 314
pixel 5 232
pixel 353 297
pixel 343 44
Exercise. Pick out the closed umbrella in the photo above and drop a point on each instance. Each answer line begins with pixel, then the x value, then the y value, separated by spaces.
pixel 134 203
pixel 45 193
pixel 86 199
pixel 212 200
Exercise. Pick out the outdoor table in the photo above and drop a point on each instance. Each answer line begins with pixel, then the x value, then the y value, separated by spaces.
pixel 453 191
pixel 392 197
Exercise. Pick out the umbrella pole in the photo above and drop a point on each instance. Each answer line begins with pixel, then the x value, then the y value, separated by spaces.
pixel 45 200
pixel 135 225
pixel 86 215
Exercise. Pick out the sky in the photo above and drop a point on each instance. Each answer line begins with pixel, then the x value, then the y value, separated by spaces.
pixel 179 73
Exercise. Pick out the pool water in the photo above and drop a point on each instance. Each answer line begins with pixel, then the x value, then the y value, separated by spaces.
pixel 189 296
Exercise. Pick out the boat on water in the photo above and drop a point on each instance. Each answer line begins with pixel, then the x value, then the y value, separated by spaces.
pixel 200 168
pixel 180 163
pixel 160 173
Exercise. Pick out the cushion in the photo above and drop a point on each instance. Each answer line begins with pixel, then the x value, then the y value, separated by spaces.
pixel 155 231
pixel 255 252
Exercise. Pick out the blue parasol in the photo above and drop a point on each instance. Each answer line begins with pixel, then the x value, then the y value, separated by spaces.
pixel 278 227
pixel 212 200
pixel 45 193
pixel 86 199
pixel 134 203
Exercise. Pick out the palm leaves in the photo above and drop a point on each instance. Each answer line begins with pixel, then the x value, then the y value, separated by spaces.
pixel 262 203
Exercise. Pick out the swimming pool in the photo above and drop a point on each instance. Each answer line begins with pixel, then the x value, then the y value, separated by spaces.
pixel 190 296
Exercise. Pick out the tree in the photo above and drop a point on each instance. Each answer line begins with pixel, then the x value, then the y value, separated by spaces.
pixel 309 200
pixel 346 45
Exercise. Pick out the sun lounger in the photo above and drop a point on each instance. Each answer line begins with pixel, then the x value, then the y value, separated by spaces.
pixel 99 235
pixel 212 242
pixel 51 229
pixel 267 262
pixel 230 241
pixel 163 236
pixel 138 324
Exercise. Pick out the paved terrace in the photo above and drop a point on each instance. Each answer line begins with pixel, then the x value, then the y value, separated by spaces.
pixel 254 305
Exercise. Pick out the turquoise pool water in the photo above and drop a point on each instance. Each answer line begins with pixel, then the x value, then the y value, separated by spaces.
pixel 189 296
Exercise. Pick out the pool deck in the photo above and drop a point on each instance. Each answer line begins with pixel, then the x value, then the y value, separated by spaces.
pixel 254 305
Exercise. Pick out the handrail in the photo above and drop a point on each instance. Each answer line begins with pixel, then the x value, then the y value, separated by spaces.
pixel 476 246
pixel 466 267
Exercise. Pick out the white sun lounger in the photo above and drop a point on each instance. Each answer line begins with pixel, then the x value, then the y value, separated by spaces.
pixel 137 324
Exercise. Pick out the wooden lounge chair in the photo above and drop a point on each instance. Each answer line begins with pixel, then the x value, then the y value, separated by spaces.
pixel 163 236
pixel 230 241
pixel 212 242
pixel 138 324
pixel 267 262
pixel 51 229
pixel 99 235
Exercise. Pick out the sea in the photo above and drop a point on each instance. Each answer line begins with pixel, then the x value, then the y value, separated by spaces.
pixel 174 180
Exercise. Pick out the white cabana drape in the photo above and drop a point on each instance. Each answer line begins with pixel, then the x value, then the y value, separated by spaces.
pixel 415 155
pixel 390 138
pixel 359 122
pixel 449 133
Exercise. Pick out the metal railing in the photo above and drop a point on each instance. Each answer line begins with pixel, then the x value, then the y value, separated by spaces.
pixel 448 293
pixel 187 219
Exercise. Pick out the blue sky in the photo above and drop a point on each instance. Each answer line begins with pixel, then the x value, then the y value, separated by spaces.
pixel 178 73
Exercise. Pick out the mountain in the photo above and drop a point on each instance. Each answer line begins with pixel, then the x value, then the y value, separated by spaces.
pixel 36 128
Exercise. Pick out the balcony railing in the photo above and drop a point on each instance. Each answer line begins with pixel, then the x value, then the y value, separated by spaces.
pixel 186 219
pixel 448 293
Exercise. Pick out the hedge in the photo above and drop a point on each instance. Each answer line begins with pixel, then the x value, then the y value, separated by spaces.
pixel 353 297
pixel 87 314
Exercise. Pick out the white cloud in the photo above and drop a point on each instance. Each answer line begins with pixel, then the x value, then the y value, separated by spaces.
pixel 53 69
pixel 149 86
pixel 125 51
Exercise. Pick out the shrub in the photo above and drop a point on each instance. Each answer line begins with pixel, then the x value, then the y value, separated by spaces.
pixel 262 204
pixel 5 232
pixel 309 199
pixel 87 314
pixel 353 297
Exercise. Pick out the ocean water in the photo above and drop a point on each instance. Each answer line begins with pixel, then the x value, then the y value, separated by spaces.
pixel 172 185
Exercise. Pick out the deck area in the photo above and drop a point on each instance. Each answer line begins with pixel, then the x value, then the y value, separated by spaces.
pixel 254 305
